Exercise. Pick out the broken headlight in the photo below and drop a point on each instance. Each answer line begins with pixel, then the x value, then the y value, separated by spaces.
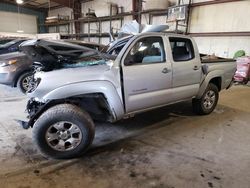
pixel 33 84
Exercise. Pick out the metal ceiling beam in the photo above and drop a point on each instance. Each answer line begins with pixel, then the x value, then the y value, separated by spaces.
pixel 85 1
pixel 212 2
pixel 70 3
pixel 66 3
pixel 46 5
pixel 221 34
pixel 56 7
pixel 28 1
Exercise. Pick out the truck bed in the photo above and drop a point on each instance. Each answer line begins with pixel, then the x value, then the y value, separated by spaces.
pixel 225 66
pixel 214 59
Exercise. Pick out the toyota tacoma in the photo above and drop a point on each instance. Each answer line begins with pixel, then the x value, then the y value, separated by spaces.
pixel 151 70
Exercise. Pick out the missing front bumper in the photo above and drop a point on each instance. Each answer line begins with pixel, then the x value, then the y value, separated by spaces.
pixel 23 124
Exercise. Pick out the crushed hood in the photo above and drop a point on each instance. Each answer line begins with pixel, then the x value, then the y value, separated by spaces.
pixel 52 54
pixel 52 80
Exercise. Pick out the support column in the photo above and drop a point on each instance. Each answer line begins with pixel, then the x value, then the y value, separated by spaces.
pixel 137 9
pixel 77 12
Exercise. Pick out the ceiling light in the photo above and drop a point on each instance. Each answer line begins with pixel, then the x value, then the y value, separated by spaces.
pixel 19 1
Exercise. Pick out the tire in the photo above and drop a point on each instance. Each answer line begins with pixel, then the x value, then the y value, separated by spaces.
pixel 207 103
pixel 64 123
pixel 23 82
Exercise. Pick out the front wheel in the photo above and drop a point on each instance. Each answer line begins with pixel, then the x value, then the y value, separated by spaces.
pixel 63 131
pixel 207 103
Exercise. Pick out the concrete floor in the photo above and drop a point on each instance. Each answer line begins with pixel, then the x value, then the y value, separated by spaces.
pixel 170 148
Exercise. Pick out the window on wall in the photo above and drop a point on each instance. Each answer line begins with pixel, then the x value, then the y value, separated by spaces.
pixel 182 49
pixel 146 51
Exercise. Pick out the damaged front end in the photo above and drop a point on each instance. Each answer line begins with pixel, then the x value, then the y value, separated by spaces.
pixel 34 109
pixel 70 84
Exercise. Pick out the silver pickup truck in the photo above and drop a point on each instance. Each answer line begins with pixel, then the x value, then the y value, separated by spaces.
pixel 152 70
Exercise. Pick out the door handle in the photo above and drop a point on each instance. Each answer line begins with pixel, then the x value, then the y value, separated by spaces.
pixel 196 67
pixel 165 70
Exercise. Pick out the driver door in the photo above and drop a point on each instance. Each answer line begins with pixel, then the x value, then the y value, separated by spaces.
pixel 147 74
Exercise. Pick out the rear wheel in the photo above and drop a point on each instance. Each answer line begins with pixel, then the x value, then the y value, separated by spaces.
pixel 207 103
pixel 64 131
pixel 24 82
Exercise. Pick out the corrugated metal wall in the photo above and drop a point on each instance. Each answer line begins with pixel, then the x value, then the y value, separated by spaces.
pixel 12 22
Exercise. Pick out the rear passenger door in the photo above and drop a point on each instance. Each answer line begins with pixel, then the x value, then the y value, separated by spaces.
pixel 186 68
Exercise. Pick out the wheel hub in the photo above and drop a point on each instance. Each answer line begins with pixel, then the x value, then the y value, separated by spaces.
pixel 209 99
pixel 26 82
pixel 63 136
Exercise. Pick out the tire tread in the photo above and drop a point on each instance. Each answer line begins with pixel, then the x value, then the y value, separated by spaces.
pixel 57 111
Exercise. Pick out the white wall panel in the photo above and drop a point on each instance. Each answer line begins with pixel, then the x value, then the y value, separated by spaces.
pixel 63 28
pixel 162 20
pixel 155 4
pixel 223 46
pixel 221 17
pixel 61 11
pixel 9 23
pixel 225 17
pixel 102 6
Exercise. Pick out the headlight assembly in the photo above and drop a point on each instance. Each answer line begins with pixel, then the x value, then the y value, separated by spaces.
pixel 7 63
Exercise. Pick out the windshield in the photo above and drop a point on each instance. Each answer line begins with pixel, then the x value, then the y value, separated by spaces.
pixel 87 58
pixel 57 54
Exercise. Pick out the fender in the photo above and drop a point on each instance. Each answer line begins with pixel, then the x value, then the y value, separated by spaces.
pixel 208 78
pixel 90 87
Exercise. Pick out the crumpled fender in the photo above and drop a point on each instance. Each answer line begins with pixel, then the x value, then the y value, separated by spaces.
pixel 81 88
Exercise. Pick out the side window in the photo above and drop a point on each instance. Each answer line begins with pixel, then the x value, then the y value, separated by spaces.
pixel 182 49
pixel 145 51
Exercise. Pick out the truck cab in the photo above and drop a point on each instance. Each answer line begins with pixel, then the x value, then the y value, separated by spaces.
pixel 155 68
